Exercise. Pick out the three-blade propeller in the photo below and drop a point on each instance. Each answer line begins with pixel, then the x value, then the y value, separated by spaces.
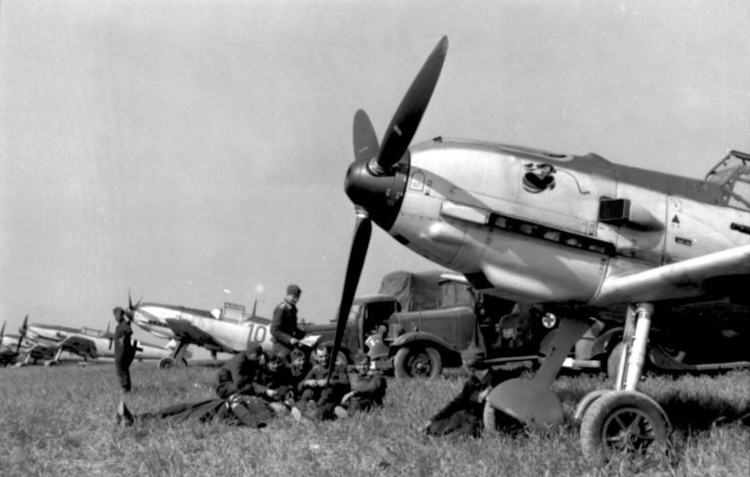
pixel 22 332
pixel 405 122
pixel 130 312
pixel 380 159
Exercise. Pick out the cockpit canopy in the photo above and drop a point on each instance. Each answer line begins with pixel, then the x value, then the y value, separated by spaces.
pixel 732 175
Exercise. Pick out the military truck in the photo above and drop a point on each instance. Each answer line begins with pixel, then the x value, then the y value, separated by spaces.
pixel 422 342
pixel 418 323
pixel 369 313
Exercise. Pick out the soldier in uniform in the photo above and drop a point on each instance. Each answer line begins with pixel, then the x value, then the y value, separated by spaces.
pixel 298 368
pixel 124 348
pixel 368 387
pixel 320 395
pixel 285 333
pixel 463 415
pixel 244 393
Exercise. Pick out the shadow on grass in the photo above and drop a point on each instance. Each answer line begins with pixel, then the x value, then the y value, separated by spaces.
pixel 691 414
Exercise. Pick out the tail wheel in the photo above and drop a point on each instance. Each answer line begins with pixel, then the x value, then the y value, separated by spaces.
pixel 623 423
pixel 166 363
pixel 417 362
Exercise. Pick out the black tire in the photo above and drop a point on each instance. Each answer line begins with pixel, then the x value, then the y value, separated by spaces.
pixel 623 423
pixel 166 363
pixel 587 401
pixel 417 362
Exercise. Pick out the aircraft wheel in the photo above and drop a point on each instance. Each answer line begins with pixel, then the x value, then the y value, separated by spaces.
pixel 623 422
pixel 613 360
pixel 51 362
pixel 417 362
pixel 166 363
pixel 587 401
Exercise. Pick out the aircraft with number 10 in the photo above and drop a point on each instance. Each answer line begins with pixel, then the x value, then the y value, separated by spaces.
pixel 579 235
pixel 228 330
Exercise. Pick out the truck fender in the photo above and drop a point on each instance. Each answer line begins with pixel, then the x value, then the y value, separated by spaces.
pixel 423 337
pixel 606 341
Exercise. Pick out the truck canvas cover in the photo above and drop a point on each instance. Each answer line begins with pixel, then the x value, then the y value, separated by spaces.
pixel 414 291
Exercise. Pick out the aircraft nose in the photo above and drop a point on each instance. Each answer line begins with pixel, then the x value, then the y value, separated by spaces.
pixel 380 194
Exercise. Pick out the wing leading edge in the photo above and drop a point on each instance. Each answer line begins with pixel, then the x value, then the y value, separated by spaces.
pixel 685 279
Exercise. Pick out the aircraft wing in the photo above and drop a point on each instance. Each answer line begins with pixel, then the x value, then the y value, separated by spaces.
pixel 713 273
pixel 79 345
pixel 40 352
pixel 187 332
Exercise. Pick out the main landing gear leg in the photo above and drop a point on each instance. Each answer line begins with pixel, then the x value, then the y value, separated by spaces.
pixel 56 360
pixel 177 358
pixel 625 420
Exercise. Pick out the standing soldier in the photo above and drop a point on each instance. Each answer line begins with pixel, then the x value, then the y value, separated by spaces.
pixel 124 348
pixel 284 331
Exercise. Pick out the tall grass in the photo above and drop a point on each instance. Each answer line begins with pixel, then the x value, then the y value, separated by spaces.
pixel 60 421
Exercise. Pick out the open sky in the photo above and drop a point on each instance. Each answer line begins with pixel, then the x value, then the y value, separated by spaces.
pixel 193 152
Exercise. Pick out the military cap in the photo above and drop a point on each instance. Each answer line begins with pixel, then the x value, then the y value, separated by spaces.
pixel 293 290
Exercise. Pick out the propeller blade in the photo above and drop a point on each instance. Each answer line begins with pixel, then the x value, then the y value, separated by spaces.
pixel 405 122
pixel 360 242
pixel 365 139
pixel 2 332
pixel 131 308
pixel 22 332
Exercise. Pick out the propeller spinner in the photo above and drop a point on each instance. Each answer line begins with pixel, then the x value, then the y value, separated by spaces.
pixel 376 180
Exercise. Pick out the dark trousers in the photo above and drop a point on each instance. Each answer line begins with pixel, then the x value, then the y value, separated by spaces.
pixel 201 410
pixel 123 375
pixel 247 411
pixel 361 403
pixel 319 403
pixel 252 412
pixel 462 422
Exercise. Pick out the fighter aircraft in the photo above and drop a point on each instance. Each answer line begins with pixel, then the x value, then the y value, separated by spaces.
pixel 227 331
pixel 10 347
pixel 48 342
pixel 578 235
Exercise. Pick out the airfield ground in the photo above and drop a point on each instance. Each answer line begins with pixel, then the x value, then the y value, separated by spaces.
pixel 60 421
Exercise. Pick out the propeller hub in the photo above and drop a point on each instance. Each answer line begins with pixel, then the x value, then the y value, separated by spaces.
pixel 379 193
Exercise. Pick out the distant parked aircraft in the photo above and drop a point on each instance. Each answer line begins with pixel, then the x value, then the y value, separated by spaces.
pixel 48 342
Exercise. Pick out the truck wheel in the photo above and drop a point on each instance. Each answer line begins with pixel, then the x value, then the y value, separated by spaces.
pixel 417 362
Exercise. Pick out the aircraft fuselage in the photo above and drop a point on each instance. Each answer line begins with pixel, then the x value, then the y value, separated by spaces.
pixel 545 227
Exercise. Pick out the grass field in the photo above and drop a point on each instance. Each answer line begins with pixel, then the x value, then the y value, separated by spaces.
pixel 60 421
